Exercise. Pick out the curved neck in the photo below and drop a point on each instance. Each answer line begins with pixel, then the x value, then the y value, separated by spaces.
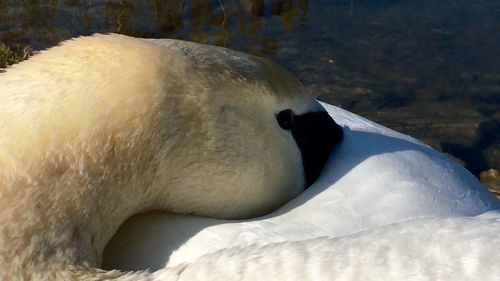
pixel 67 204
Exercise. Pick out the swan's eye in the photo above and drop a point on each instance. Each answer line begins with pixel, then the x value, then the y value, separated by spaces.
pixel 285 119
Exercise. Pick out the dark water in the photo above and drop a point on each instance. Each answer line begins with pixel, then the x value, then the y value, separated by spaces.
pixel 430 69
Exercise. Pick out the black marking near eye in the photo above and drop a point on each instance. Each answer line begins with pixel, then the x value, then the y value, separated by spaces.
pixel 316 134
pixel 285 119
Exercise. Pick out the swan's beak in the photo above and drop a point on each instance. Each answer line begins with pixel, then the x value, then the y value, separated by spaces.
pixel 316 135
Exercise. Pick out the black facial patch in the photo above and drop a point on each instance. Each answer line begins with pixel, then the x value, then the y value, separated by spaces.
pixel 316 135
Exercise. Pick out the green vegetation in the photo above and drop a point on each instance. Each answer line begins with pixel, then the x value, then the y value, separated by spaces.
pixel 11 55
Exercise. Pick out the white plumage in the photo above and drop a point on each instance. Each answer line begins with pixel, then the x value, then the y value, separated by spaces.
pixel 430 249
pixel 419 216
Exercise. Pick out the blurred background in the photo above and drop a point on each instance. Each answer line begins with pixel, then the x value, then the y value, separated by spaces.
pixel 427 68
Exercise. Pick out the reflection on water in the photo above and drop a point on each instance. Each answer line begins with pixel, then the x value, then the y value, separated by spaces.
pixel 428 68
pixel 238 24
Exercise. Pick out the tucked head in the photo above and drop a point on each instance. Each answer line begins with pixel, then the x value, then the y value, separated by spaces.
pixel 165 125
pixel 256 140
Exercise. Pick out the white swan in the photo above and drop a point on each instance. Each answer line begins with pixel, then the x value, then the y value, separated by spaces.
pixel 418 215
pixel 86 142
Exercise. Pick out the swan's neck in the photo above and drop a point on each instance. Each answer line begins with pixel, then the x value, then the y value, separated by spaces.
pixel 62 209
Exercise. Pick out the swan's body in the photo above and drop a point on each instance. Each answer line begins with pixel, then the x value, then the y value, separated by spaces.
pixel 421 217
pixel 104 127
pixel 430 249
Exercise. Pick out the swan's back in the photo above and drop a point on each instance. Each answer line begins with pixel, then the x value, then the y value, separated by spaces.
pixel 429 249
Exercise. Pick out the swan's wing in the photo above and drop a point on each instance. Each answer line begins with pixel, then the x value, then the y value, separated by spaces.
pixel 429 249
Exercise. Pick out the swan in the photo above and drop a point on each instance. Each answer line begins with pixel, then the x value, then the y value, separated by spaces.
pixel 386 207
pixel 68 183
pixel 103 127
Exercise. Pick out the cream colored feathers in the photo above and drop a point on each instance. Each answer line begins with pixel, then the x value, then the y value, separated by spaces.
pixel 107 126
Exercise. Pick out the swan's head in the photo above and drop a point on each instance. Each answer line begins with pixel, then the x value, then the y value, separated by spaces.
pixel 249 139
